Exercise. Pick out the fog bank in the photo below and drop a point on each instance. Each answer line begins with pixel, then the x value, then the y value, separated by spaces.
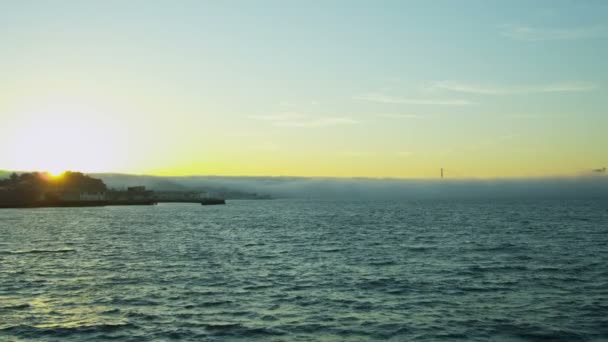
pixel 588 186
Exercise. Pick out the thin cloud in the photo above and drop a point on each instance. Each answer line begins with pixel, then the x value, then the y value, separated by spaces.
pixel 381 98
pixel 318 122
pixel 535 34
pixel 490 89
pixel 286 116
pixel 290 119
pixel 525 116
pixel 401 116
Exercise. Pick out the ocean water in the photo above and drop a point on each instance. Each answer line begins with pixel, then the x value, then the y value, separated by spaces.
pixel 289 270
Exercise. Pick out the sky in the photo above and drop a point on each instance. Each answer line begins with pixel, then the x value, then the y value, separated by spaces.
pixel 382 89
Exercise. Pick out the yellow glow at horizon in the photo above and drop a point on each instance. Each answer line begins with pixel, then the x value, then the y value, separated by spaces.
pixel 94 134
pixel 55 174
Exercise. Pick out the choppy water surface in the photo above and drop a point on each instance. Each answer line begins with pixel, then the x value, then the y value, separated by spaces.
pixel 304 271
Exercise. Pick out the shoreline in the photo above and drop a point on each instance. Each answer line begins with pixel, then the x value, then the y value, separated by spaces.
pixel 73 204
pixel 82 204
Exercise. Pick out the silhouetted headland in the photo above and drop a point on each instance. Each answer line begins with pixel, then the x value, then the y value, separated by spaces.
pixel 75 189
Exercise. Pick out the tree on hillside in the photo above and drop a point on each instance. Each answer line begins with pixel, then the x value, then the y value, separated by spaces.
pixel 77 181
pixel 69 181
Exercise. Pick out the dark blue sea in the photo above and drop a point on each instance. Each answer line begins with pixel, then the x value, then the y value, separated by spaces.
pixel 296 270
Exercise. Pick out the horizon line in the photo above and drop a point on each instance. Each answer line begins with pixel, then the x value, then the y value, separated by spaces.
pixel 591 173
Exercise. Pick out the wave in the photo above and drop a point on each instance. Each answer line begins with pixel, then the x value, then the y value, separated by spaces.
pixel 15 307
pixel 39 251
pixel 28 331
pixel 236 329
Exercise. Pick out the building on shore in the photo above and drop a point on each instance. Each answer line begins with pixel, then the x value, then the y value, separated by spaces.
pixel 74 196
pixel 134 193
pixel 178 196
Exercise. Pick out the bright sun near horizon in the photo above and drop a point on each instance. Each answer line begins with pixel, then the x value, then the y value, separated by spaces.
pixel 56 138
pixel 398 89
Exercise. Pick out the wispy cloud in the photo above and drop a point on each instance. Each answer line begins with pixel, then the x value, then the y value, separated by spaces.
pixel 285 116
pixel 381 98
pixel 534 34
pixel 318 122
pixel 401 116
pixel 491 89
pixel 302 120
pixel 525 116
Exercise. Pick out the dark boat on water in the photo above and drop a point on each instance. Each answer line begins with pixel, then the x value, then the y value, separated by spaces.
pixel 213 201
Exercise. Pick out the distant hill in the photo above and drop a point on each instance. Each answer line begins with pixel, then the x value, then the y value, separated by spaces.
pixel 122 181
pixel 211 185
pixel 584 186
pixel 224 187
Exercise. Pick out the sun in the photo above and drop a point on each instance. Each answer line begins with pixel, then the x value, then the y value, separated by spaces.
pixel 55 172
pixel 64 138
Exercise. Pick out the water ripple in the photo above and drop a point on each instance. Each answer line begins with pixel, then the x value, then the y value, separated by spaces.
pixel 307 271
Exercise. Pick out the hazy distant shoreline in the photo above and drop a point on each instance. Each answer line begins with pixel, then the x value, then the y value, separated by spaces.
pixel 587 186
pixel 256 187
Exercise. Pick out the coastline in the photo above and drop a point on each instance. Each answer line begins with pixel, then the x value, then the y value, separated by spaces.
pixel 74 204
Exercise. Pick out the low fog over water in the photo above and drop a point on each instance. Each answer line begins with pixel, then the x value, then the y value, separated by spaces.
pixel 586 186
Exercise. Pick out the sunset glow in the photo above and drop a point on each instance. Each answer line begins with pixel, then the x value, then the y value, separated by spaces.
pixel 313 170
pixel 360 91
pixel 62 137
